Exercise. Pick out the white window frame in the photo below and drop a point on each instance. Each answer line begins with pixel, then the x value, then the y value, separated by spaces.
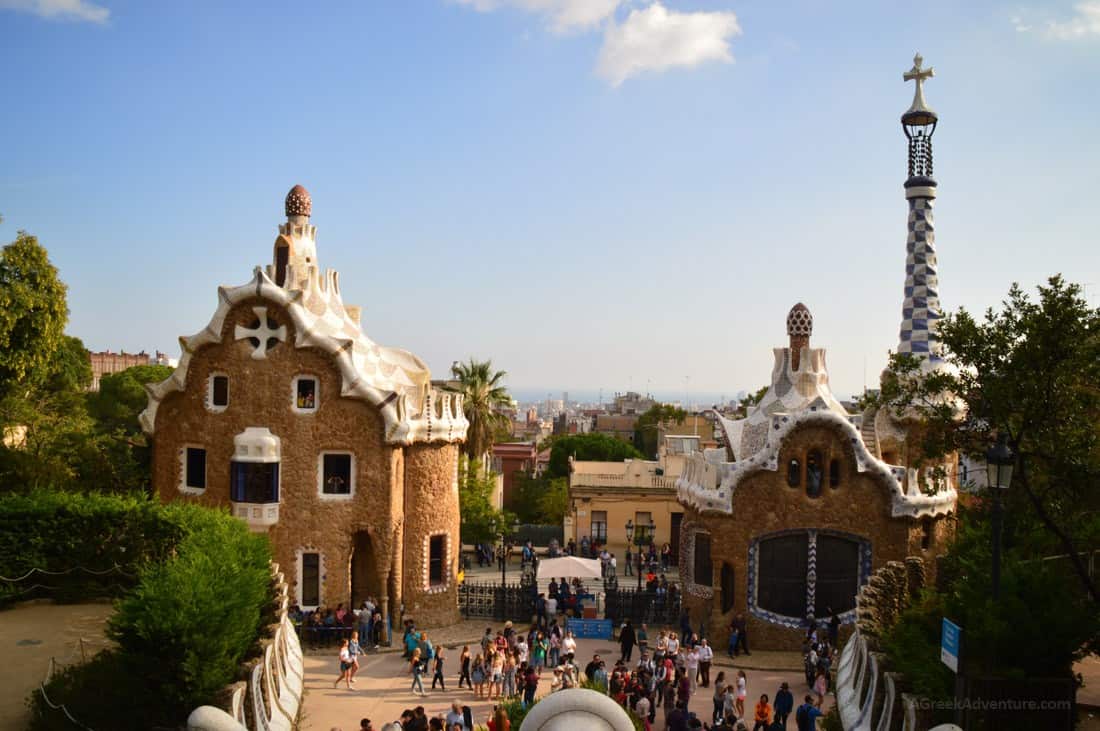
pixel 294 393
pixel 183 486
pixel 321 475
pixel 300 571
pixel 210 392
pixel 448 569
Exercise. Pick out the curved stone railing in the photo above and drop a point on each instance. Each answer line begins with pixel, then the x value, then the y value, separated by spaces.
pixel 868 698
pixel 272 696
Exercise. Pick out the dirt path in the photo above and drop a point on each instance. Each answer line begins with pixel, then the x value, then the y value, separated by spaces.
pixel 32 633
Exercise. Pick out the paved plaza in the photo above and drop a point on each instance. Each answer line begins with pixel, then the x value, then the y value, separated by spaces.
pixel 383 687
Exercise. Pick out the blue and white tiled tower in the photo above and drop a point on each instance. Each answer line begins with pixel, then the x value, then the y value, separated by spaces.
pixel 921 311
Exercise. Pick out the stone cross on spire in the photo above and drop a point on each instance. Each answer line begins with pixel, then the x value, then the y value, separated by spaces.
pixel 919 75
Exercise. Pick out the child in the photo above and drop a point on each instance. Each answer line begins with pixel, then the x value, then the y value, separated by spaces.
pixel 345 666
pixel 354 650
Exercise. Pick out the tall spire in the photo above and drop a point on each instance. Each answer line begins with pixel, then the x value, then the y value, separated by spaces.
pixel 920 313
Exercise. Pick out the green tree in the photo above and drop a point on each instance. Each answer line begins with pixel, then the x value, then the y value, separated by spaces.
pixel 480 520
pixel 591 446
pixel 483 394
pixel 33 312
pixel 649 424
pixel 1030 372
pixel 47 429
pixel 751 399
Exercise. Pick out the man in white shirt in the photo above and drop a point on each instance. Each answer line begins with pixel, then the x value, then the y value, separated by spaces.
pixel 569 646
pixel 614 565
pixel 551 608
pixel 706 655
pixel 521 649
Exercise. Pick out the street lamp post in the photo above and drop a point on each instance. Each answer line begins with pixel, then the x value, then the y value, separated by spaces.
pixel 503 559
pixel 999 461
pixel 639 535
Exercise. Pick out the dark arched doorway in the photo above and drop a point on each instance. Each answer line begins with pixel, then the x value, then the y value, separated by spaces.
pixel 364 570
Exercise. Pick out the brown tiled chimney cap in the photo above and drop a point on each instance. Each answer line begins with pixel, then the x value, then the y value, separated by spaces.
pixel 799 321
pixel 298 202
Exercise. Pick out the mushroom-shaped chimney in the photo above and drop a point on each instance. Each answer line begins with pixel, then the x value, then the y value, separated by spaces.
pixel 298 202
pixel 800 325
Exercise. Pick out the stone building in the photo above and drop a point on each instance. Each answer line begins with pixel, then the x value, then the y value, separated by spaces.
pixel 603 496
pixel 107 362
pixel 285 412
pixel 789 519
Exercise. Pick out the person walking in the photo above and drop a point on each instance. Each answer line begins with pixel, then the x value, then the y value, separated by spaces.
pixel 354 651
pixel 742 633
pixel 719 698
pixel 627 640
pixel 438 676
pixel 416 667
pixel 691 667
pixel 742 692
pixel 706 656
pixel 345 666
pixel 464 667
pixel 530 685
pixel 821 685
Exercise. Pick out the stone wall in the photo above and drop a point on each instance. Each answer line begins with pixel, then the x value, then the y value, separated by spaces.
pixel 431 509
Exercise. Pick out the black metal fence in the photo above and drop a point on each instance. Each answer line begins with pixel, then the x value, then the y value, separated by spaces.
pixel 493 601
pixel 640 607
pixel 516 602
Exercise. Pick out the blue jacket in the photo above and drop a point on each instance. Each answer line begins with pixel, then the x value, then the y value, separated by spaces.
pixel 784 701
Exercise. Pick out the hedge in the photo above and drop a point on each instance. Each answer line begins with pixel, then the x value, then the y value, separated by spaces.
pixel 91 545
pixel 200 600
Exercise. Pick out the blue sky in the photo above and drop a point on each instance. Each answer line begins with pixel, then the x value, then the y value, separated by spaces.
pixel 593 193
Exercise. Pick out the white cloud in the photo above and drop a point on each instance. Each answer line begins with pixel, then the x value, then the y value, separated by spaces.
pixel 76 10
pixel 656 39
pixel 1019 24
pixel 1085 24
pixel 562 16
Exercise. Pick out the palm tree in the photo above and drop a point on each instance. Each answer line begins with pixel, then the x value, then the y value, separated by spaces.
pixel 482 394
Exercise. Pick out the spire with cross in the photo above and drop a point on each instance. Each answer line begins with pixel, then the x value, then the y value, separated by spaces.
pixel 919 110
pixel 921 311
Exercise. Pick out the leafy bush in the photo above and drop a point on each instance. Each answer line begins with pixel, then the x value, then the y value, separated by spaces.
pixel 195 611
pixel 110 538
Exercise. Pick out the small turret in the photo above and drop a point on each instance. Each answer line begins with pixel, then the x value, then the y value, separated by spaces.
pixel 296 247
pixel 800 326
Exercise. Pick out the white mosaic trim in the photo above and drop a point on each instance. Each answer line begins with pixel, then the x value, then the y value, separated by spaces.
pixel 210 392
pixel 394 380
pixel 181 458
pixel 687 562
pixel 710 487
pixel 448 574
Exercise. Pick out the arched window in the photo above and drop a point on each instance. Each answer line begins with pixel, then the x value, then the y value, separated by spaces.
pixel 837 575
pixel 728 587
pixel 781 574
pixel 794 473
pixel 926 534
pixel 814 476
pixel 834 473
pixel 282 255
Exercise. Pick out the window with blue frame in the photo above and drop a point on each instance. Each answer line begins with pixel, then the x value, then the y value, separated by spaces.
pixel 254 482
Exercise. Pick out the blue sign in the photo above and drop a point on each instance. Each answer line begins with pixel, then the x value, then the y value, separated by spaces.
pixel 949 644
pixel 590 629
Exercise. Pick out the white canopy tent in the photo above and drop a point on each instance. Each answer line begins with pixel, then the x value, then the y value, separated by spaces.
pixel 570 567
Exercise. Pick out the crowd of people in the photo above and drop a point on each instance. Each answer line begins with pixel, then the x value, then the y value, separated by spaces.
pixel 325 625
pixel 509 664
